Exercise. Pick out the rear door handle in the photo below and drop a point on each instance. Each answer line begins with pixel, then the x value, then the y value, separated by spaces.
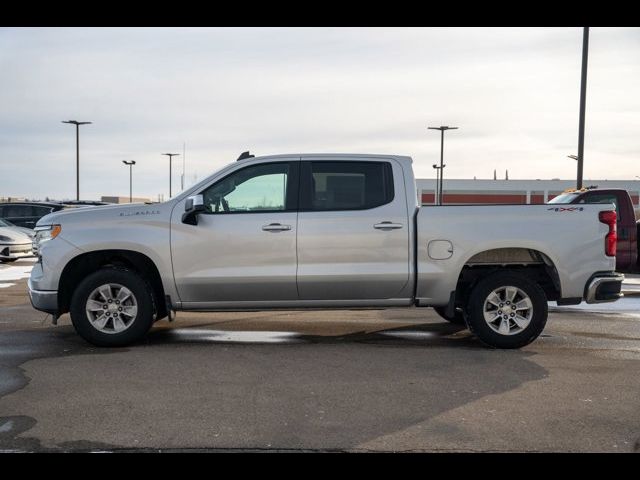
pixel 276 227
pixel 387 226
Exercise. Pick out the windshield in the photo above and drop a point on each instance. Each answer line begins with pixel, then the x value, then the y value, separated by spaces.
pixel 4 223
pixel 563 198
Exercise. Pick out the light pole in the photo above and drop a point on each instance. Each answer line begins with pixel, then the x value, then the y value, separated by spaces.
pixel 442 129
pixel 583 101
pixel 436 198
pixel 131 164
pixel 77 124
pixel 170 155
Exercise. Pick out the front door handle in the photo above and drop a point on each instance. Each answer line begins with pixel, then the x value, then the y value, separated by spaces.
pixel 387 226
pixel 276 227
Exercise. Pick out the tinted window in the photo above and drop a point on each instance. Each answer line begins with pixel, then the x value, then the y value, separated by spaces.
pixel 18 211
pixel 347 185
pixel 602 198
pixel 259 188
pixel 41 211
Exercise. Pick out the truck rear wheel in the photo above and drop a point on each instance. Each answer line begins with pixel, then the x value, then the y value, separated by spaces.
pixel 112 307
pixel 507 310
pixel 457 318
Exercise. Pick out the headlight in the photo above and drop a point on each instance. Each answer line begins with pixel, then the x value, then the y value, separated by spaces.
pixel 5 239
pixel 44 234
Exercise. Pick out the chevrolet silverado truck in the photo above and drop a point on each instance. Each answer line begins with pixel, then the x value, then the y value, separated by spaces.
pixel 320 231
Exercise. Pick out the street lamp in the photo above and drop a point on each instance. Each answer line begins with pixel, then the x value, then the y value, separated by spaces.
pixel 442 129
pixel 77 124
pixel 131 164
pixel 583 101
pixel 170 155
pixel 575 157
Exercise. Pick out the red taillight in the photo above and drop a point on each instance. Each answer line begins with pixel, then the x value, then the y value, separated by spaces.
pixel 610 241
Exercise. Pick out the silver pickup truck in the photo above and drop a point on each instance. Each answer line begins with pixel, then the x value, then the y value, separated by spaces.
pixel 320 231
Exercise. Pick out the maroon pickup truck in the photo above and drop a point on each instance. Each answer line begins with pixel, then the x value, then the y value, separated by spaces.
pixel 627 226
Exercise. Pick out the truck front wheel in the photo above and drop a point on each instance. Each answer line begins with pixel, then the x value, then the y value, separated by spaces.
pixel 507 310
pixel 112 307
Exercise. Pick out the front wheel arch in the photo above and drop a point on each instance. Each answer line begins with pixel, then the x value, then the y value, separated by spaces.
pixel 79 267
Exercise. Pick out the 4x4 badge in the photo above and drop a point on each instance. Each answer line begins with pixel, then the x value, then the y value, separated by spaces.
pixel 566 209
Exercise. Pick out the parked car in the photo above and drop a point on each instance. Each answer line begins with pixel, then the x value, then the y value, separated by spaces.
pixel 25 230
pixel 14 244
pixel 26 214
pixel 627 226
pixel 320 231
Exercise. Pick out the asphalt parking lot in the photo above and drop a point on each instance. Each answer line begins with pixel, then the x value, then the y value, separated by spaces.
pixel 375 380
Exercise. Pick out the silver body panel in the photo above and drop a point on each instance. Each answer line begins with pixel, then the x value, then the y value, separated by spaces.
pixel 230 258
pixel 141 228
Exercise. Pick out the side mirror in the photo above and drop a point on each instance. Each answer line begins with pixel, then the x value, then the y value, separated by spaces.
pixel 192 207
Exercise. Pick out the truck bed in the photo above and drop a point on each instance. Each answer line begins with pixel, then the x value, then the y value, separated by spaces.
pixel 570 239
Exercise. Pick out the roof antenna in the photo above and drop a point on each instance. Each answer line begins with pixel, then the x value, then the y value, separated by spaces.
pixel 245 155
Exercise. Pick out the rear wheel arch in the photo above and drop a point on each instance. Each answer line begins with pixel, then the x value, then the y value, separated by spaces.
pixel 85 264
pixel 534 264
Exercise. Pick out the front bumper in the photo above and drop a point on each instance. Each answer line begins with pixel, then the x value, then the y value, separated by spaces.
pixel 604 287
pixel 43 300
pixel 12 251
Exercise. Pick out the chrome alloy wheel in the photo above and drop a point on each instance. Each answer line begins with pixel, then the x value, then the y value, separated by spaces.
pixel 111 308
pixel 508 310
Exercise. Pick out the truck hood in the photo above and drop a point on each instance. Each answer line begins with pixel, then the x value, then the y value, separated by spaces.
pixel 104 212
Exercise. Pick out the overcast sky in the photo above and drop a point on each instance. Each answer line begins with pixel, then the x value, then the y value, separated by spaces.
pixel 514 93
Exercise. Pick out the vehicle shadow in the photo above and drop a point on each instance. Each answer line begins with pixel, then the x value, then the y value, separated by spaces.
pixel 428 334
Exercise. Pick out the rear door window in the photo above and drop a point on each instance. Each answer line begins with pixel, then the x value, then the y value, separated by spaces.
pixel 346 185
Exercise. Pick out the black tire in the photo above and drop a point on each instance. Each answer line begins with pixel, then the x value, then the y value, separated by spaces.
pixel 458 316
pixel 138 327
pixel 487 335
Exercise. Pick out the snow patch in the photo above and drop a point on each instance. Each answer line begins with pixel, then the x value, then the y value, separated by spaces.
pixel 14 272
pixel 236 337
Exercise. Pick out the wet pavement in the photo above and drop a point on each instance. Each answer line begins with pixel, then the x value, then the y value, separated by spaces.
pixel 373 380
